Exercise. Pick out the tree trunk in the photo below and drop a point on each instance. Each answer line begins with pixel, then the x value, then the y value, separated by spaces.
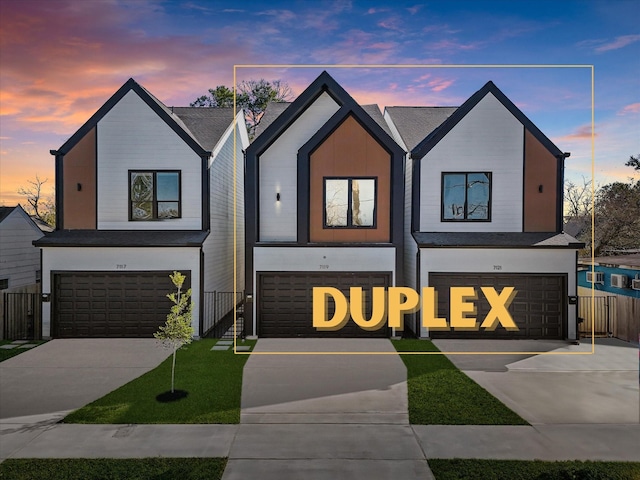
pixel 173 368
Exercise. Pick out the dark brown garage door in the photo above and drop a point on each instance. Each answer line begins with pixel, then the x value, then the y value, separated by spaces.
pixel 538 308
pixel 90 304
pixel 285 303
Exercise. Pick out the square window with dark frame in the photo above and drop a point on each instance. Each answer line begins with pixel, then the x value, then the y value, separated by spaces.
pixel 466 197
pixel 154 195
pixel 350 202
pixel 4 283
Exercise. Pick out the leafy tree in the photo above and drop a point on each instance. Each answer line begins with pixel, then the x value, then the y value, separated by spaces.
pixel 616 214
pixel 634 162
pixel 177 331
pixel 221 97
pixel 43 208
pixel 252 96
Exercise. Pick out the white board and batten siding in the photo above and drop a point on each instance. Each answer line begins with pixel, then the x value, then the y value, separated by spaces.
pixel 218 248
pixel 488 139
pixel 504 261
pixel 131 136
pixel 19 259
pixel 121 260
pixel 278 173
pixel 323 260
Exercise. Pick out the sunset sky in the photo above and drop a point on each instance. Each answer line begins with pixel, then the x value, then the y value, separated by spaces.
pixel 60 60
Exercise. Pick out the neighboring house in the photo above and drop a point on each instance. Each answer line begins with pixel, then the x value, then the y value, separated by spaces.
pixel 142 190
pixel 324 207
pixel 619 275
pixel 19 259
pixel 485 209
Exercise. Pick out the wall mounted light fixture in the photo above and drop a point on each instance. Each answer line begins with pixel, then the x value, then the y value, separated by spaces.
pixel 540 188
pixel 79 187
pixel 278 197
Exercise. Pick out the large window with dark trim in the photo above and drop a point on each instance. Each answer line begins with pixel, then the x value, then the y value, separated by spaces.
pixel 154 195
pixel 466 197
pixel 350 202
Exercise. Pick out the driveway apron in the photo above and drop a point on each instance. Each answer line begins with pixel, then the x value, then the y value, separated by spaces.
pixel 66 374
pixel 293 381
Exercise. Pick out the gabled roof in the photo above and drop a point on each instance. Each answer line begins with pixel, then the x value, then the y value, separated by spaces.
pixel 274 109
pixel 207 124
pixel 5 212
pixel 415 123
pixel 435 136
pixel 170 118
pixel 323 84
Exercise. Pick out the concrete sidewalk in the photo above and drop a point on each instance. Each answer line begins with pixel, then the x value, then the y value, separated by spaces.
pixel 404 446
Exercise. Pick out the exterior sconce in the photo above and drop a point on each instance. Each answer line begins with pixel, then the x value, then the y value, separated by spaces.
pixel 79 187
pixel 278 197
pixel 540 188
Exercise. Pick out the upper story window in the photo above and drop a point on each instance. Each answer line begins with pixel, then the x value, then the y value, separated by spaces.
pixel 350 202
pixel 4 283
pixel 466 197
pixel 154 195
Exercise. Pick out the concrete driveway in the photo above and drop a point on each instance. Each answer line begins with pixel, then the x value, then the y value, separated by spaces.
pixel 321 388
pixel 570 385
pixel 63 375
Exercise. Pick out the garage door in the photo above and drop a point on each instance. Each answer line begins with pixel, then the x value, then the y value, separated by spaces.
pixel 90 304
pixel 285 303
pixel 538 308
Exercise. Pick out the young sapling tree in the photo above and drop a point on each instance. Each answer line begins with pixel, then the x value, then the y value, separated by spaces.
pixel 177 331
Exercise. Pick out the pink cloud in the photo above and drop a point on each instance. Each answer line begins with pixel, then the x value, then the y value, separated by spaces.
pixel 581 133
pixel 633 108
pixel 452 45
pixel 53 82
pixel 619 42
pixel 391 23
pixel 439 84
pixel 415 9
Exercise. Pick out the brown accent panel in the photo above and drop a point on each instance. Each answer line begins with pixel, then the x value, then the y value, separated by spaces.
pixel 540 168
pixel 350 151
pixel 79 168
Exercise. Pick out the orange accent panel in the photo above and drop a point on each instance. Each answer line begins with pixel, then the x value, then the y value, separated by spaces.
pixel 350 151
pixel 79 167
pixel 540 168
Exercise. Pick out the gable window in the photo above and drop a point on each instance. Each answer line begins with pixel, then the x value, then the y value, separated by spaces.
pixel 350 202
pixel 4 283
pixel 154 195
pixel 466 197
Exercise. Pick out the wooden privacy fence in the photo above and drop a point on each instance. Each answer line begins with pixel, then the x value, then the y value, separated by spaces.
pixel 22 314
pixel 610 316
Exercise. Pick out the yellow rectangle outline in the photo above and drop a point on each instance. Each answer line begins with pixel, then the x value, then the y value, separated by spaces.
pixel 235 67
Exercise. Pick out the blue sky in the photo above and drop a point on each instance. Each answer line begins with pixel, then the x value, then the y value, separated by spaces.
pixel 62 59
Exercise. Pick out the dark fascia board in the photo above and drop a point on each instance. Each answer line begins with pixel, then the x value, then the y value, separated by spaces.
pixel 364 119
pixel 434 137
pixel 130 84
pixel 324 83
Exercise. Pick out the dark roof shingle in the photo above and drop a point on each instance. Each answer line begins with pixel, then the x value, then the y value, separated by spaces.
pixel 415 123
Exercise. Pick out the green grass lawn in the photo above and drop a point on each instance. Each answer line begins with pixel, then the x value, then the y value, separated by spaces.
pixel 532 470
pixel 212 379
pixel 6 354
pixel 106 468
pixel 440 394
